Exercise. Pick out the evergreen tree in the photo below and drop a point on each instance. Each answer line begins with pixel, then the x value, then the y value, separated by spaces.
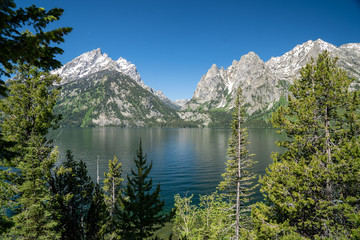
pixel 312 189
pixel 24 47
pixel 28 117
pixel 96 216
pixel 5 186
pixel 18 46
pixel 72 190
pixel 238 184
pixel 142 211
pixel 112 188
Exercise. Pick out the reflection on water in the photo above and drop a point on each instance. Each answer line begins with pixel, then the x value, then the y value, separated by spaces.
pixel 184 160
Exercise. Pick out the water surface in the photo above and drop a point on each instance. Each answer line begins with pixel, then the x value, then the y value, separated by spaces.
pixel 185 160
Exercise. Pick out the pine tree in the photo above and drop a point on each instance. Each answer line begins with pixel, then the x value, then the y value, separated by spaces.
pixel 238 184
pixel 112 188
pixel 18 46
pixel 28 117
pixel 312 189
pixel 5 186
pixel 24 47
pixel 72 191
pixel 96 216
pixel 143 213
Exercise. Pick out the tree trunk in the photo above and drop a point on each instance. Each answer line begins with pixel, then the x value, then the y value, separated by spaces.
pixel 328 152
pixel 237 226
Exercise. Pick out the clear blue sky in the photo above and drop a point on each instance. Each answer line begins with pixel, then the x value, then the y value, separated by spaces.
pixel 174 42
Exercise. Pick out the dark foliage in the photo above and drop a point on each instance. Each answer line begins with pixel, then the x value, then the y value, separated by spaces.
pixel 96 216
pixel 72 190
pixel 143 210
pixel 17 46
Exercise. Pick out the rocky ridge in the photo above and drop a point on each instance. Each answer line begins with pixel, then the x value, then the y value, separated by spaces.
pixel 111 98
pixel 98 91
pixel 264 83
pixel 96 61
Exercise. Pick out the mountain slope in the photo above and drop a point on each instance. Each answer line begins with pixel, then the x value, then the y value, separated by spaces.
pixel 95 61
pixel 265 84
pixel 98 91
pixel 111 98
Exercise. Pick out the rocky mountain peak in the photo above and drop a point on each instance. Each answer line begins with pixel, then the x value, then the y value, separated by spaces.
pixel 263 83
pixel 110 97
pixel 95 53
pixel 351 46
pixel 124 63
pixel 249 59
pixel 210 85
pixel 94 57
pixel 84 65
pixel 214 70
pixel 234 62
pixel 95 61
pixel 250 55
pixel 287 66
pixel 318 45
pixel 129 69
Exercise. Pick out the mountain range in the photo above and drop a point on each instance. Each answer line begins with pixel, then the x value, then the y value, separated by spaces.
pixel 99 91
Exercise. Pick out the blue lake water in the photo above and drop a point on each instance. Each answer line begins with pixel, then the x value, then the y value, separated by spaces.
pixel 185 160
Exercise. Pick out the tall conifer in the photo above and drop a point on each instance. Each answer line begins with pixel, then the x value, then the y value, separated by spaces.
pixel 23 47
pixel 72 197
pixel 238 184
pixel 143 212
pixel 96 216
pixel 312 189
pixel 113 191
pixel 35 48
pixel 28 117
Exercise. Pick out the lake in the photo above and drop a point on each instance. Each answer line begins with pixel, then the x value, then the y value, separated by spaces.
pixel 185 160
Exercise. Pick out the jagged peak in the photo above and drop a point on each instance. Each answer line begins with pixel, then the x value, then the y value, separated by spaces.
pixel 318 43
pixel 305 47
pixel 324 45
pixel 251 56
pixel 121 59
pixel 352 46
pixel 97 50
pixel 214 66
pixel 319 40
pixel 213 70
pixel 93 61
pixel 92 56
pixel 94 52
pixel 122 62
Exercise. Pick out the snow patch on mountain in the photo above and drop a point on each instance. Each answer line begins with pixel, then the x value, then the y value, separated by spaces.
pixel 96 61
pixel 263 83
